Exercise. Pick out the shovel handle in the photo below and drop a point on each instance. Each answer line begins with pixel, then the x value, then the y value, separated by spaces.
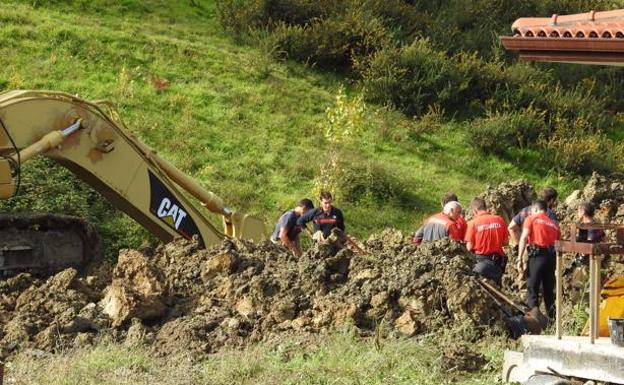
pixel 355 245
pixel 501 296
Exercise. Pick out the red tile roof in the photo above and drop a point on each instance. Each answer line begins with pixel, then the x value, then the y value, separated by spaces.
pixel 605 25
pixel 592 37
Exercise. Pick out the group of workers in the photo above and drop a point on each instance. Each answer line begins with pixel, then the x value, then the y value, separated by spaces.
pixel 324 219
pixel 534 230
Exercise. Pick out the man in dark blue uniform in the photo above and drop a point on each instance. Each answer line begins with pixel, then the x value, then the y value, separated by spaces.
pixel 324 218
pixel 548 195
pixel 287 229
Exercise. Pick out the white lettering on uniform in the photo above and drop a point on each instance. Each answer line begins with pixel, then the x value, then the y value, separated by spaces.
pixel 489 226
pixel 547 223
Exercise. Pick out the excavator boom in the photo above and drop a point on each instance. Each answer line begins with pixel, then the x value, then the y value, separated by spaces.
pixel 90 140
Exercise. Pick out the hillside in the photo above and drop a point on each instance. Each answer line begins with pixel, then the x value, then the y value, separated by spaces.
pixel 255 112
pixel 246 126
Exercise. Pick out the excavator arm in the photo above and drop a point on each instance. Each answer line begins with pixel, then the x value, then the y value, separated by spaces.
pixel 89 139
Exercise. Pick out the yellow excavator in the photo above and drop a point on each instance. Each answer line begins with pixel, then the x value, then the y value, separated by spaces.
pixel 89 139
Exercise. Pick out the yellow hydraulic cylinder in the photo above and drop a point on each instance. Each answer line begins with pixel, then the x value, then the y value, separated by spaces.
pixel 49 141
pixel 209 199
pixel 235 224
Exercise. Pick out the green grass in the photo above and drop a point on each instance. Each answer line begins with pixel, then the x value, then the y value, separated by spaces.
pixel 247 127
pixel 341 358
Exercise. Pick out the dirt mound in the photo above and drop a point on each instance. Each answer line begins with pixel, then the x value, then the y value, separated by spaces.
pixel 507 199
pixel 183 300
pixel 605 193
pixel 47 315
pixel 608 196
pixel 179 299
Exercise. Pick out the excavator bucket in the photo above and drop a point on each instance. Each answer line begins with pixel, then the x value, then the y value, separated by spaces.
pixel 246 227
pixel 46 244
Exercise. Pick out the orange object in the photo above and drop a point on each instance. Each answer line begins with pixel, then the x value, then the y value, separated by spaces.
pixel 612 305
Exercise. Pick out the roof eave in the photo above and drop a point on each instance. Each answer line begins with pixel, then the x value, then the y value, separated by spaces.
pixel 566 50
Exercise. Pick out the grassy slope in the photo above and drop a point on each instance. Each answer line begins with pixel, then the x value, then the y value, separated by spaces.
pixel 245 126
pixel 339 359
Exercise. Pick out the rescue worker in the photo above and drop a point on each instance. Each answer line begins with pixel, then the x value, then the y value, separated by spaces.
pixel 585 215
pixel 539 234
pixel 485 237
pixel 548 195
pixel 461 222
pixel 324 218
pixel 287 230
pixel 441 225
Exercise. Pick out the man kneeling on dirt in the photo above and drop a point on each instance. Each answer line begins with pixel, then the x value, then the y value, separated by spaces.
pixel 441 225
pixel 324 218
pixel 486 236
pixel 287 230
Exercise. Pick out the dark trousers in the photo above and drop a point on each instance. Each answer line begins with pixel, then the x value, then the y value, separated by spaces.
pixel 542 273
pixel 490 267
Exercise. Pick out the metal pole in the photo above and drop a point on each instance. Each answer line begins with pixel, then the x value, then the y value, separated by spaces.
pixel 592 294
pixel 559 293
pixel 597 285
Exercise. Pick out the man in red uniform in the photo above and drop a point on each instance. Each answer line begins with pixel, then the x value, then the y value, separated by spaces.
pixel 486 236
pixel 539 234
pixel 441 225
pixel 460 222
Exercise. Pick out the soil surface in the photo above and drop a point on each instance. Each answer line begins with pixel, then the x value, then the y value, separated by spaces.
pixel 179 299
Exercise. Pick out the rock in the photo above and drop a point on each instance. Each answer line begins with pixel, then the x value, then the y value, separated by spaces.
pixel 574 200
pixel 137 334
pixel 284 310
pixel 507 199
pixel 300 323
pixel 82 340
pixel 136 290
pixel 366 274
pixel 406 325
pixel 221 264
pixel 596 189
pixel 245 306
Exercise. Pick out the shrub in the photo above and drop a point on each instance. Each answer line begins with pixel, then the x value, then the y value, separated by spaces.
pixel 241 16
pixel 496 133
pixel 582 154
pixel 334 43
pixel 358 179
pixel 410 78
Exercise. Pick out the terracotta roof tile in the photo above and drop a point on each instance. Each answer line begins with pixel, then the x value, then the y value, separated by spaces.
pixel 593 25
pixel 594 37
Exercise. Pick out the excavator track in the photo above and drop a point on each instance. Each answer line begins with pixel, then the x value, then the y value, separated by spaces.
pixel 46 243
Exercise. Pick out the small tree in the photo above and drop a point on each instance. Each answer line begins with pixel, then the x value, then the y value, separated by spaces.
pixel 343 125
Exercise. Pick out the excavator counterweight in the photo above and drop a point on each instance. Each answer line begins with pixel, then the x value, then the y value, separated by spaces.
pixel 89 139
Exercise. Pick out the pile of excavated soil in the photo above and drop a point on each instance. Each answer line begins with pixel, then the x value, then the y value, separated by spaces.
pixel 508 198
pixel 183 300
pixel 179 299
